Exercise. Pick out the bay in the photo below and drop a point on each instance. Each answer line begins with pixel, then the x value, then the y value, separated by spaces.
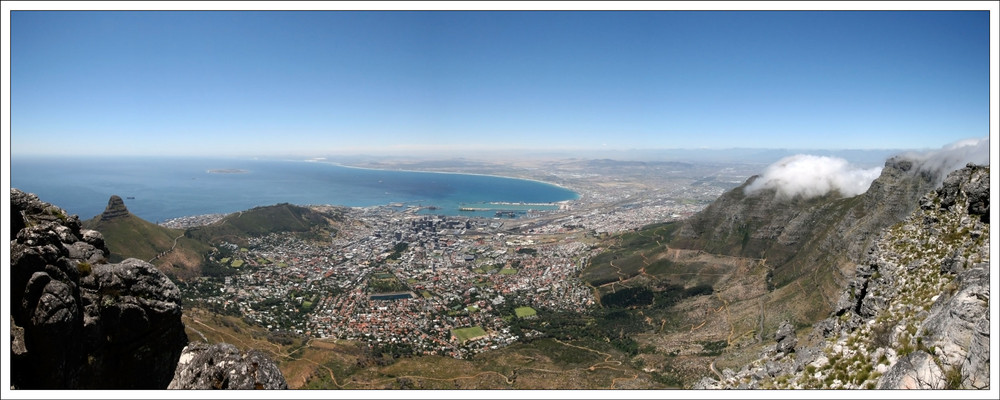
pixel 157 189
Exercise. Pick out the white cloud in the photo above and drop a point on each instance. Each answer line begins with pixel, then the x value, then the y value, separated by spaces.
pixel 952 156
pixel 811 176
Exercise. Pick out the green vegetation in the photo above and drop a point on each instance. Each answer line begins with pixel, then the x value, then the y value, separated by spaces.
pixel 628 254
pixel 953 377
pixel 398 250
pixel 237 263
pixel 628 297
pixel 132 237
pixel 386 283
pixel 713 348
pixel 465 334
pixel 84 268
pixel 259 221
pixel 527 250
pixel 644 297
pixel 525 311
pixel 508 271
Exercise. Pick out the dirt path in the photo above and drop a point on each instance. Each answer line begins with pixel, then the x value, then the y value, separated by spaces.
pixel 163 253
pixel 711 366
pixel 274 353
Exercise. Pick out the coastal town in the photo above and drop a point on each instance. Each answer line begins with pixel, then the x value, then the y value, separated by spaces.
pixel 418 283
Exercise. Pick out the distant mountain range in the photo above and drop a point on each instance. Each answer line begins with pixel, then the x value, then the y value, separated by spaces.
pixel 871 157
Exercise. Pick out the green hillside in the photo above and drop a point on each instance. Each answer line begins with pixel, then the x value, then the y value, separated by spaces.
pixel 129 236
pixel 259 221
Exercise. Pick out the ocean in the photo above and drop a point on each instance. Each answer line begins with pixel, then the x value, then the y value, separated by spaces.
pixel 158 189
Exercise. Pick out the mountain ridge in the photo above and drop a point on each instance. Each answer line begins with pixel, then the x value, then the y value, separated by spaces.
pixel 916 314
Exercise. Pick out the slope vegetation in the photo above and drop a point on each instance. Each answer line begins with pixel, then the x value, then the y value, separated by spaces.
pixel 128 236
pixel 753 261
pixel 259 221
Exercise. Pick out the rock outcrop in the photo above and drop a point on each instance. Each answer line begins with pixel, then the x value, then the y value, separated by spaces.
pixel 916 314
pixel 785 336
pixel 81 323
pixel 115 209
pixel 222 366
pixel 78 322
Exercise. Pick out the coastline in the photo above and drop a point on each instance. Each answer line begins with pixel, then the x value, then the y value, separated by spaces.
pixel 577 193
pixel 199 194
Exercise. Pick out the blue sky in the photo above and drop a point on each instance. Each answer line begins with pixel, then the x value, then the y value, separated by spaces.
pixel 327 82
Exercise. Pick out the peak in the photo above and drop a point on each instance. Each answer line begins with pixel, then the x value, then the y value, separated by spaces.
pixel 116 209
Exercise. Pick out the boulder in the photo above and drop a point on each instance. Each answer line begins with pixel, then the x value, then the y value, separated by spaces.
pixel 79 323
pixel 785 336
pixel 223 366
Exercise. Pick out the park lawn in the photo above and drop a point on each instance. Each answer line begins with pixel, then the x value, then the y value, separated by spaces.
pixel 523 312
pixel 464 334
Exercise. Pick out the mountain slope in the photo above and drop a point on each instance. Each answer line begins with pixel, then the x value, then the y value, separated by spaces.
pixel 259 221
pixel 769 260
pixel 824 235
pixel 915 316
pixel 810 244
pixel 128 236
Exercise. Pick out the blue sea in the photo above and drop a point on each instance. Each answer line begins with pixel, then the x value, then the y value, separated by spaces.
pixel 157 189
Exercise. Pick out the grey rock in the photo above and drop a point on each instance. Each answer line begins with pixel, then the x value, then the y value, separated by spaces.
pixel 223 366
pixel 707 383
pixel 915 371
pixel 115 209
pixel 85 252
pixel 785 336
pixel 93 238
pixel 117 326
pixel 976 366
pixel 955 327
pixel 135 318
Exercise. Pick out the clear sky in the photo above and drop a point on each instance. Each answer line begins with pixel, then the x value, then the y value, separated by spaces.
pixel 324 82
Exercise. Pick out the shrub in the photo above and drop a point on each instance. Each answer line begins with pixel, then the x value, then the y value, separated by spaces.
pixel 953 377
pixel 882 334
pixel 84 268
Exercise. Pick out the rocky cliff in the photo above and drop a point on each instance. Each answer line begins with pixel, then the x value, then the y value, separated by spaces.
pixel 823 237
pixel 78 322
pixel 916 313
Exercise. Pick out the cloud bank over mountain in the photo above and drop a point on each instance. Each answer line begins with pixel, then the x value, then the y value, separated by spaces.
pixel 811 176
pixel 952 156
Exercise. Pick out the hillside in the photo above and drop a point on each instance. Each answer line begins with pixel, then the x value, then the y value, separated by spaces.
pixel 916 316
pixel 342 364
pixel 259 221
pixel 768 260
pixel 128 236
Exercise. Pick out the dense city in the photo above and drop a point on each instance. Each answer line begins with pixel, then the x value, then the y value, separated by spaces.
pixel 400 279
